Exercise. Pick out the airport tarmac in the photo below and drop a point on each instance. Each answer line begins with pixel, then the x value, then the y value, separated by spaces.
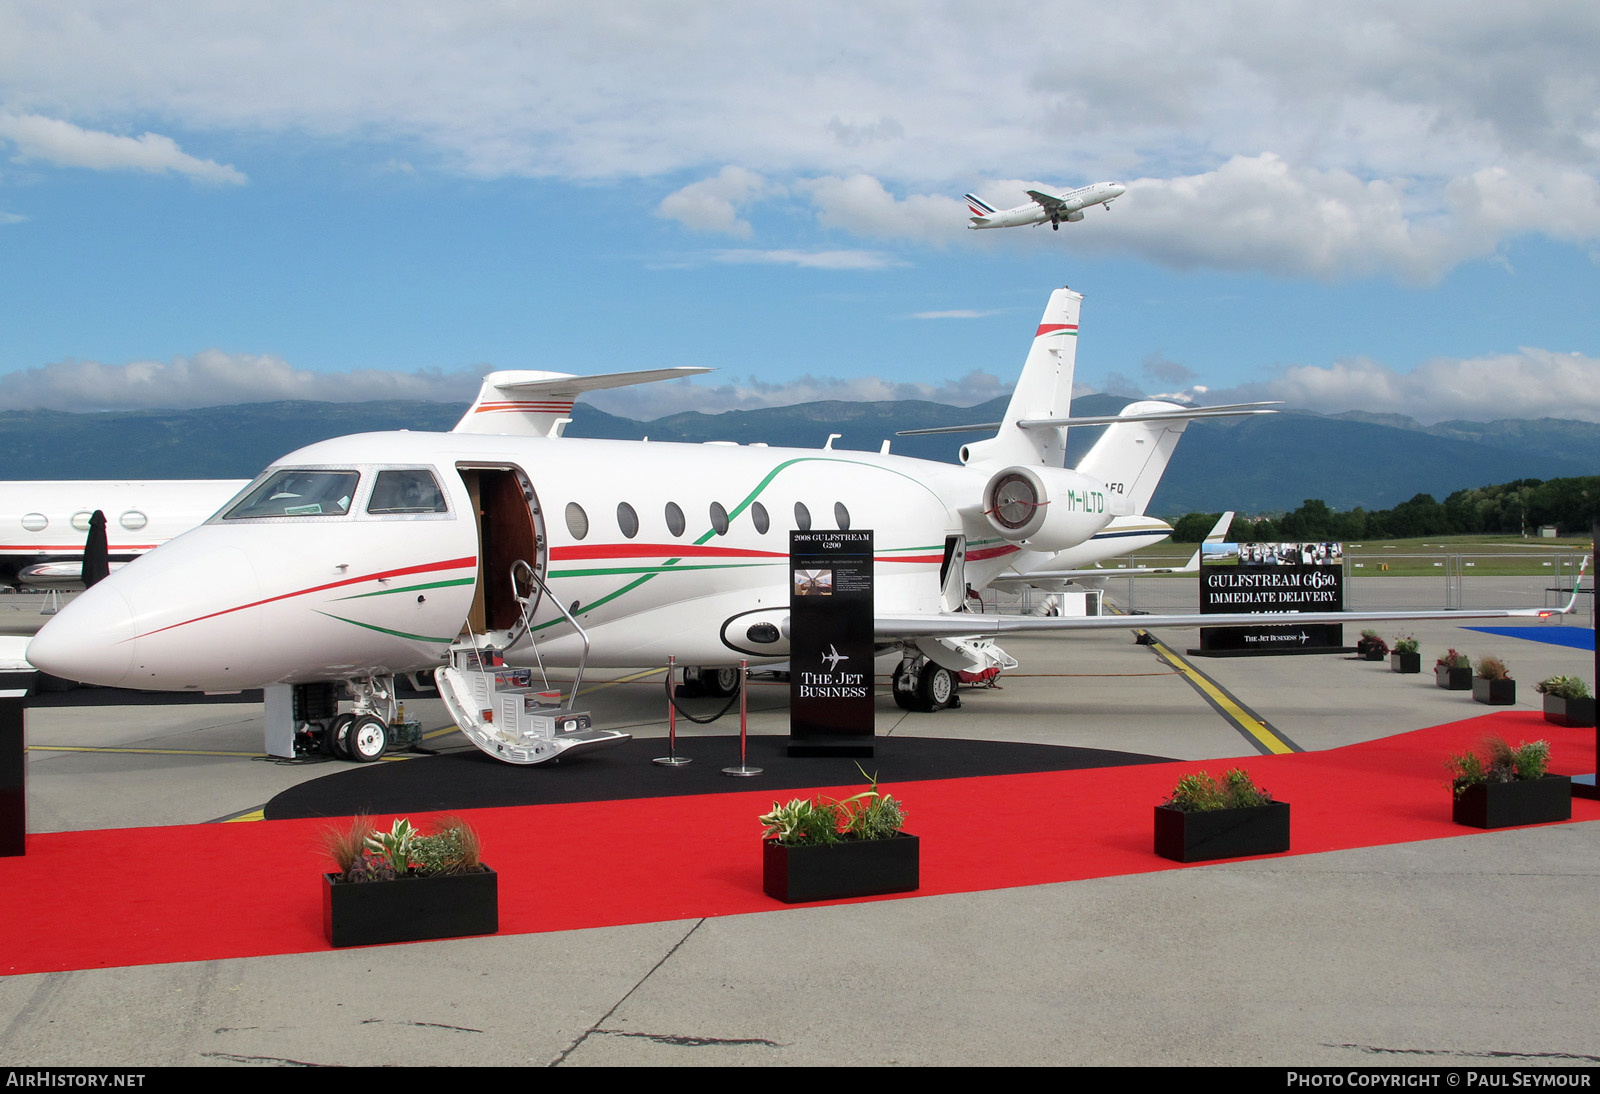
pixel 1482 949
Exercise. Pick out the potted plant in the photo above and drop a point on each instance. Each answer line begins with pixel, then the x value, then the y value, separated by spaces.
pixel 1407 656
pixel 1567 701
pixel 1371 647
pixel 1492 684
pixel 404 886
pixel 1206 820
pixel 827 849
pixel 1453 672
pixel 1512 788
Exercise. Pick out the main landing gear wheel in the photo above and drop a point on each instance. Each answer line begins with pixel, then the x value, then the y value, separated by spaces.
pixel 333 738
pixel 936 688
pixel 368 739
pixel 720 683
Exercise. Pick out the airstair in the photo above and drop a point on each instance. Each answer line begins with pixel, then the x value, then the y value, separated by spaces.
pixel 496 705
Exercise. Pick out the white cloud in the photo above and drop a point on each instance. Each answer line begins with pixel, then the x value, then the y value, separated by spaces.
pixel 215 378
pixel 753 393
pixel 713 205
pixel 1531 383
pixel 50 140
pixel 811 260
pixel 1294 137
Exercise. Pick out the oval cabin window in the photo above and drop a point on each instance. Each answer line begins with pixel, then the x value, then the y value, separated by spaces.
pixel 627 520
pixel 133 520
pixel 758 514
pixel 719 518
pixel 675 521
pixel 577 520
pixel 841 516
pixel 802 516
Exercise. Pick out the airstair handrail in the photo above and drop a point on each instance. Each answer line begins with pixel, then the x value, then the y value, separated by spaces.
pixel 527 623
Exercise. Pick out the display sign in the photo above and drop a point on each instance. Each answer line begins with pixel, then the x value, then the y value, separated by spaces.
pixel 1272 578
pixel 831 702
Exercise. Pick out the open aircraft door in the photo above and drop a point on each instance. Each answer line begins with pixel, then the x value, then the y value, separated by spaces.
pixel 510 531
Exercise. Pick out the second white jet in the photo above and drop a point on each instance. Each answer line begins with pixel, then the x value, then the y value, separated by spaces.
pixel 1046 206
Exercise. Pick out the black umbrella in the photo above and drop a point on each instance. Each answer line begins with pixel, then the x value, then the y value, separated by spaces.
pixel 96 553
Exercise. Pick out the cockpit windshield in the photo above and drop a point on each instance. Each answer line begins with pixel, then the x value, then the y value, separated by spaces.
pixel 299 494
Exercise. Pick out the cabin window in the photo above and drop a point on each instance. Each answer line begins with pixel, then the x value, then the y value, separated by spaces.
pixel 758 514
pixel 299 494
pixel 80 520
pixel 133 520
pixel 577 520
pixel 675 521
pixel 36 522
pixel 627 520
pixel 802 516
pixel 719 518
pixel 399 492
pixel 841 516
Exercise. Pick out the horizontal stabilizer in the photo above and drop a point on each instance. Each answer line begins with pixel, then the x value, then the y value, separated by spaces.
pixel 527 403
pixel 1235 410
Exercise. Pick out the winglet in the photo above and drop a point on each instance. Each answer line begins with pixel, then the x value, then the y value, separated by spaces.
pixel 526 403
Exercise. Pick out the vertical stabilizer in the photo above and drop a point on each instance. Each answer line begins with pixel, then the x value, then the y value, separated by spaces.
pixel 1132 456
pixel 1044 390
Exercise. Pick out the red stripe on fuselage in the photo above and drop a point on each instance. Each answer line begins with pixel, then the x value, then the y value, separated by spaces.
pixel 426 568
pixel 991 552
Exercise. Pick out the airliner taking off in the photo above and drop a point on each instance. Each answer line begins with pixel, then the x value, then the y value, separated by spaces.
pixel 1046 206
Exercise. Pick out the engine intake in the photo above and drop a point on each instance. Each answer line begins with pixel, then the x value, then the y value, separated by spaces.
pixel 1047 508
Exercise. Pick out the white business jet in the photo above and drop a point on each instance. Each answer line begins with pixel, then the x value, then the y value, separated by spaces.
pixel 43 525
pixel 1046 206
pixel 356 559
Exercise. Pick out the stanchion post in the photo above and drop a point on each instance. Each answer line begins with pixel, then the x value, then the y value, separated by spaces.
pixel 671 759
pixel 744 767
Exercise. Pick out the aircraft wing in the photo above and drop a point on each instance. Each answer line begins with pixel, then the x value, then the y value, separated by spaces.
pixel 1048 200
pixel 973 624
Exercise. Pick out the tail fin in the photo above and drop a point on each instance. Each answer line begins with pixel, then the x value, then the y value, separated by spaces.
pixel 979 207
pixel 1044 390
pixel 1132 456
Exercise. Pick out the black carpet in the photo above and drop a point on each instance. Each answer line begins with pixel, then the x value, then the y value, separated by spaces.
pixel 471 780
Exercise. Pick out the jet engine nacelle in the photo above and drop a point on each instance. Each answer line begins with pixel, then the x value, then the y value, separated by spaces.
pixel 1074 215
pixel 1046 508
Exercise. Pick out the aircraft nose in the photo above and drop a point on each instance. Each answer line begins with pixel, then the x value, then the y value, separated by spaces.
pixel 90 641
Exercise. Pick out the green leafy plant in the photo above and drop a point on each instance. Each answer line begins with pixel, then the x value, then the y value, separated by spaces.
pixel 1529 760
pixel 1492 668
pixel 1200 793
pixel 1453 660
pixel 1407 644
pixel 365 854
pixel 869 815
pixel 1563 687
pixel 1371 642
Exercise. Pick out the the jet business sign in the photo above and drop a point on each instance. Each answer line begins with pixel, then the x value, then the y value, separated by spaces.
pixel 1272 578
pixel 830 643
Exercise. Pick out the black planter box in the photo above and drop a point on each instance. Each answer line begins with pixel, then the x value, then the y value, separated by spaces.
pixel 1569 712
pixel 1495 693
pixel 1453 679
pixel 1222 833
pixel 1405 662
pixel 834 871
pixel 1505 805
pixel 410 909
pixel 1376 653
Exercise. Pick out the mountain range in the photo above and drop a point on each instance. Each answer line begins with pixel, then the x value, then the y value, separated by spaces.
pixel 1256 465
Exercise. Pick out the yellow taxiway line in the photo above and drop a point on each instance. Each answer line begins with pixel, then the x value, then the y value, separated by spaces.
pixel 1255 728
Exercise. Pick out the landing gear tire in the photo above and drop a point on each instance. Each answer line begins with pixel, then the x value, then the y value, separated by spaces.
pixel 720 683
pixel 368 739
pixel 936 688
pixel 334 737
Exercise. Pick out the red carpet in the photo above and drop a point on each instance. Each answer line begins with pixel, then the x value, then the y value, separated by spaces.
pixel 202 892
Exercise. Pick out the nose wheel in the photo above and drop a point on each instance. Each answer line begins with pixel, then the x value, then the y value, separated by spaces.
pixel 368 739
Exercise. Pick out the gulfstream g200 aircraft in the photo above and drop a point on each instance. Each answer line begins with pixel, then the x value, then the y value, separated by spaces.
pixel 358 558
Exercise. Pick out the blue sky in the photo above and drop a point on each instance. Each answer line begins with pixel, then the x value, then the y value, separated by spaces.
pixel 1347 208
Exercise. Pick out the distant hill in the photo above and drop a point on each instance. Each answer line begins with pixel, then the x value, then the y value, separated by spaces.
pixel 1256 465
